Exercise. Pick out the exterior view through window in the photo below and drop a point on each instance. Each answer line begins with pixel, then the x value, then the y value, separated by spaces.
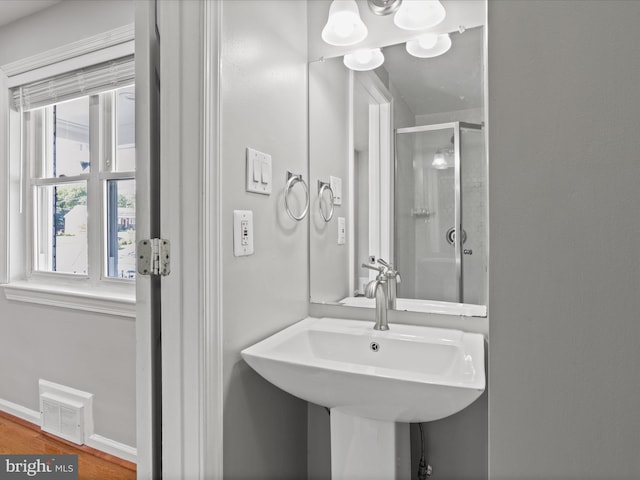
pixel 82 155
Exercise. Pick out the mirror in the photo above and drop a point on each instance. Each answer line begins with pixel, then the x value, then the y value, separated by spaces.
pixel 402 149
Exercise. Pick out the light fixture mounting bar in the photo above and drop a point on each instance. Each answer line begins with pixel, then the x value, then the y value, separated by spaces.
pixel 384 7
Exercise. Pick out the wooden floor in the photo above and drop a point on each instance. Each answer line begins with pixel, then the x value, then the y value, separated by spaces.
pixel 20 437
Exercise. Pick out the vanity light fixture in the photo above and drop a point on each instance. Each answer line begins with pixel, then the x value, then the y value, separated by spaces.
pixel 364 59
pixel 429 45
pixel 419 14
pixel 344 26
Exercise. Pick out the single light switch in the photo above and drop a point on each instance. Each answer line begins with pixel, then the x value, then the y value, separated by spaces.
pixel 242 232
pixel 259 167
pixel 342 231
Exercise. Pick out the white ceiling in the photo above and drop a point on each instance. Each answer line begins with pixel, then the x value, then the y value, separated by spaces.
pixel 12 10
pixel 448 83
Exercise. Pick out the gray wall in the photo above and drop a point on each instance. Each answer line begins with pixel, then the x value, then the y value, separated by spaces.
pixel 61 24
pixel 564 195
pixel 90 352
pixel 264 106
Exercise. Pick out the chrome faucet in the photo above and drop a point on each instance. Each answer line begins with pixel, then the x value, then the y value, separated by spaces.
pixel 378 289
pixel 383 289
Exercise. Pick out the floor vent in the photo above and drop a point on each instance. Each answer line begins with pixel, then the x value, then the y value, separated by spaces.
pixel 66 412
pixel 62 418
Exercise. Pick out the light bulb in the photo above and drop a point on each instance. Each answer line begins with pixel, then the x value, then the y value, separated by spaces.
pixel 428 40
pixel 439 160
pixel 419 14
pixel 344 26
pixel 418 47
pixel 366 59
pixel 363 56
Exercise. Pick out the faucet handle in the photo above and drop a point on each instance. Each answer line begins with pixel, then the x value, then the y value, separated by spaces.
pixel 373 267
pixel 389 270
pixel 384 263
pixel 388 267
pixel 382 271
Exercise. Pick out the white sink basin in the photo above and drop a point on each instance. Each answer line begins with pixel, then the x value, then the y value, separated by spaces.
pixel 416 374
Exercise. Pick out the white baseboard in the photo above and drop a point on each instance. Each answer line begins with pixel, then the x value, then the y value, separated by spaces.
pixel 112 447
pixel 24 413
pixel 96 441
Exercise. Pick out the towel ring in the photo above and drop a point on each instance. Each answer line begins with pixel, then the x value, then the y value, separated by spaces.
pixel 291 181
pixel 325 187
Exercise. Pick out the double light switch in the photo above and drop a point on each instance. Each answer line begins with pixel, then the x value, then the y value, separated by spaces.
pixel 259 169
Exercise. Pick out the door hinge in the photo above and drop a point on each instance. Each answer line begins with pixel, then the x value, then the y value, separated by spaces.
pixel 154 257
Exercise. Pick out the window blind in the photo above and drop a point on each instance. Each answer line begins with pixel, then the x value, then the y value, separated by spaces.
pixel 85 81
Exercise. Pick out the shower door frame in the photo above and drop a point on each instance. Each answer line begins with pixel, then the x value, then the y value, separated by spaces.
pixel 457 185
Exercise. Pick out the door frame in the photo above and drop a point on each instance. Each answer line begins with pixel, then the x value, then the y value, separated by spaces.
pixel 381 171
pixel 192 394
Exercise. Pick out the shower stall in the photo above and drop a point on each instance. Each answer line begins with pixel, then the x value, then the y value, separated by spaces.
pixel 441 189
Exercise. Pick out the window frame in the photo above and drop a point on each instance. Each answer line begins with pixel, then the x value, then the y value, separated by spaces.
pixel 113 296
pixel 102 148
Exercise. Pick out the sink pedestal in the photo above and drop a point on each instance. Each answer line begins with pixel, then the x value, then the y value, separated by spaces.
pixel 369 449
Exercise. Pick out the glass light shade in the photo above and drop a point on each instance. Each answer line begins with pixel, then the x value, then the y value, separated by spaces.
pixel 419 14
pixel 362 60
pixel 344 26
pixel 428 40
pixel 419 47
pixel 440 160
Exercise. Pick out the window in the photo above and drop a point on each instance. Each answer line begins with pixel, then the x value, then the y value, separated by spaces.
pixel 81 156
pixel 68 176
pixel 71 188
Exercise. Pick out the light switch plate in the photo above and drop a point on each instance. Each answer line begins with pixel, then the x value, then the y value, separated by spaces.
pixel 336 188
pixel 259 172
pixel 242 233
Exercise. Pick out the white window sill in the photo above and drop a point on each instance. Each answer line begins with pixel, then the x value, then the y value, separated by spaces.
pixel 99 300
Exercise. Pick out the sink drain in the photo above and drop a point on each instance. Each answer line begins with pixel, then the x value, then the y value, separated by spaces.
pixel 375 346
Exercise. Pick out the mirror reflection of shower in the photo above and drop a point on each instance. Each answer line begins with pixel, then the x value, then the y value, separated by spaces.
pixel 441 165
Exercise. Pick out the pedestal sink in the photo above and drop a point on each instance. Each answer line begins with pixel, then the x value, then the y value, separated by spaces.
pixel 374 382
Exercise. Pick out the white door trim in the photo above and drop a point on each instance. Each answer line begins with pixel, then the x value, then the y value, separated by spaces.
pixel 211 284
pixel 191 326
pixel 381 170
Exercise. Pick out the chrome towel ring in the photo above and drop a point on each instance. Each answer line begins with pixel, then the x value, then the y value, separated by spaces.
pixel 325 187
pixel 292 179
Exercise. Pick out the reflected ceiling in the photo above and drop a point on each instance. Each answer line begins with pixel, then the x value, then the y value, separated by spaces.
pixel 447 83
